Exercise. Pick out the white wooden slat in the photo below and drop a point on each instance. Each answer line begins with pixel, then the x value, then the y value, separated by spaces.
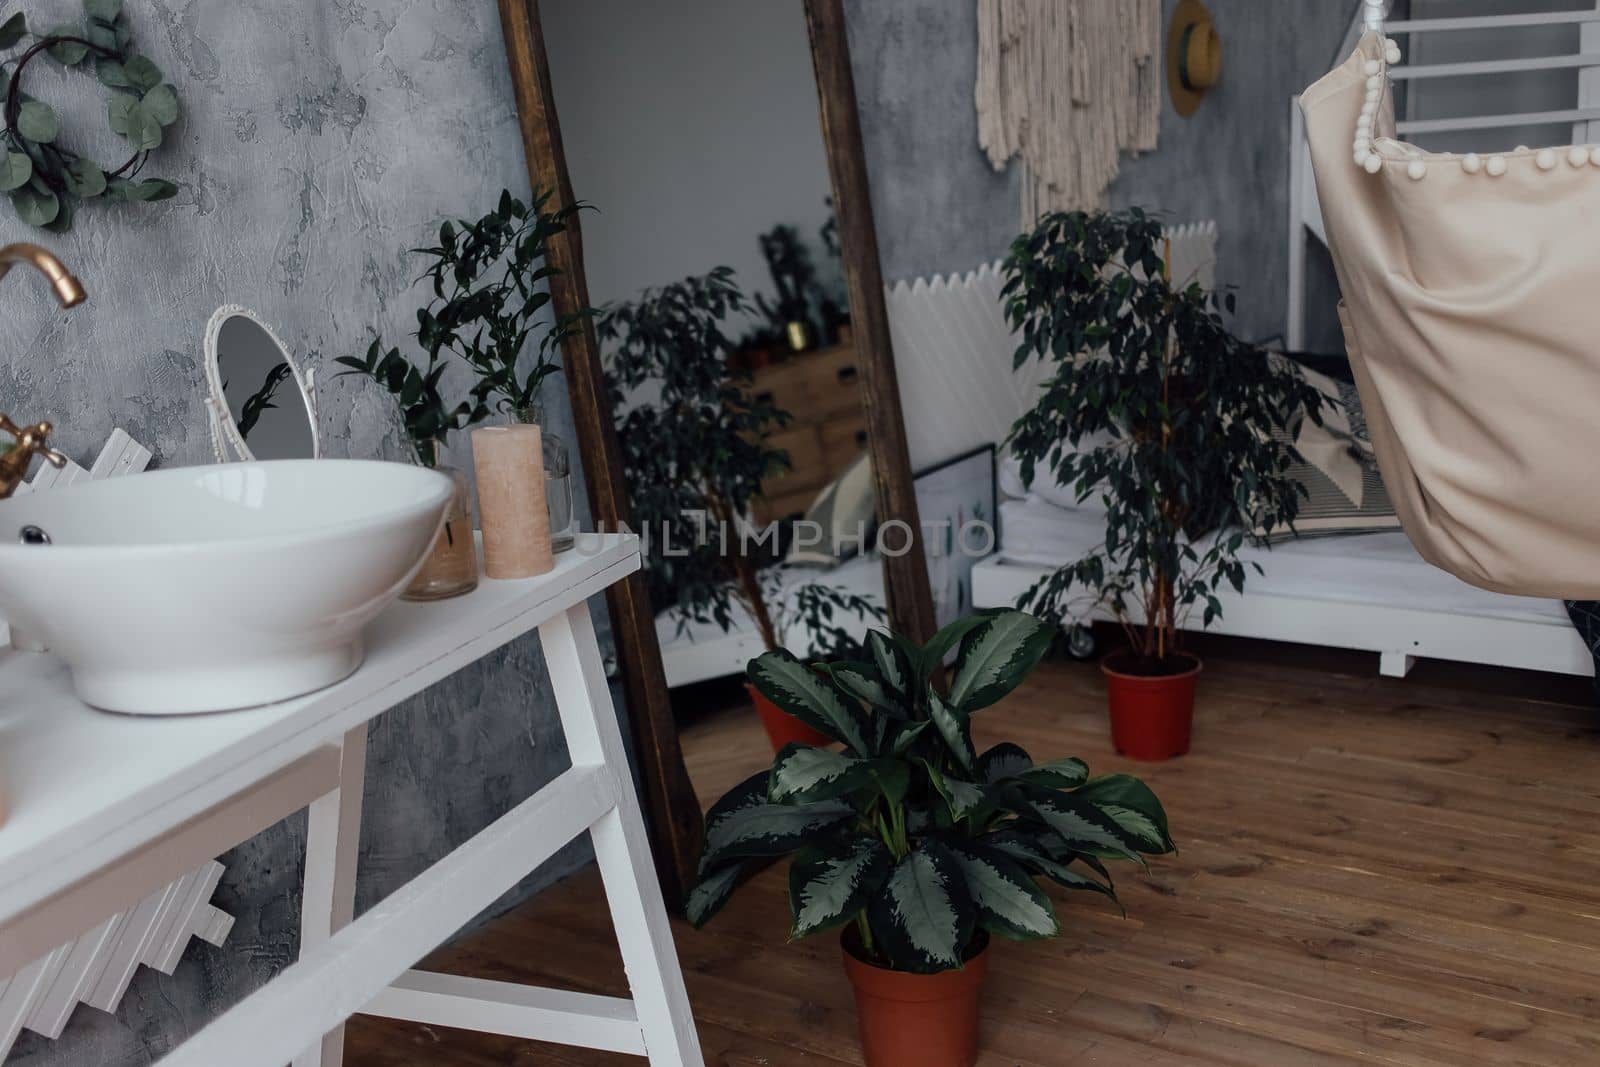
pixel 52 1010
pixel 156 943
pixel 339 977
pixel 529 1012
pixel 1480 68
pixel 120 456
pixel 178 934
pixel 107 993
pixel 1489 22
pixel 1498 122
pixel 21 992
pixel 213 925
pixel 96 973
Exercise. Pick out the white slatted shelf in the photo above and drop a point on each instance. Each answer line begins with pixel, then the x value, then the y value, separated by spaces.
pixel 1490 22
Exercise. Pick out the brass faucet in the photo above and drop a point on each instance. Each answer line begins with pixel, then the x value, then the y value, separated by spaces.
pixel 30 440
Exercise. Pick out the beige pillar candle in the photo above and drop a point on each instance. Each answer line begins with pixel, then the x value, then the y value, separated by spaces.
pixel 509 463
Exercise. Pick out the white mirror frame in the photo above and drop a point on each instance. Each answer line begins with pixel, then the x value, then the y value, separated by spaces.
pixel 226 441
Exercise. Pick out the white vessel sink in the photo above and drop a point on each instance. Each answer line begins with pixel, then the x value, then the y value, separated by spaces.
pixel 213 588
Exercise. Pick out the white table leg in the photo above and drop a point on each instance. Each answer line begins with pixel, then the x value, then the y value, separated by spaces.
pixel 333 840
pixel 1395 664
pixel 621 847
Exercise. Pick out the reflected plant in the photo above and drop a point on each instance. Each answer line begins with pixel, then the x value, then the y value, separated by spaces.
pixel 261 400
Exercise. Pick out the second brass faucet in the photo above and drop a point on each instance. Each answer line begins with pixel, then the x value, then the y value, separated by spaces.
pixel 29 441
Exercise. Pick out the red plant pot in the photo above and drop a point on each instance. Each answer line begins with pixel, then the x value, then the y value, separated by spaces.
pixel 1152 715
pixel 783 728
pixel 916 1020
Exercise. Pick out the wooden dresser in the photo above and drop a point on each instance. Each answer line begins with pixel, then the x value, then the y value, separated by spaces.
pixel 821 390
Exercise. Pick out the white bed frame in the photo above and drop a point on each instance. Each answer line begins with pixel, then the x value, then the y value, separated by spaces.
pixel 1400 634
pixel 1305 211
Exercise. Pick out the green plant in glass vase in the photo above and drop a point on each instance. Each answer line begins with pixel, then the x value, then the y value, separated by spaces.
pixel 491 307
pixel 1154 407
pixel 907 836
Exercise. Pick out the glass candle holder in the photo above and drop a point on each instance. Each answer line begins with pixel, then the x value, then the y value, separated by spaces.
pixel 452 565
pixel 557 479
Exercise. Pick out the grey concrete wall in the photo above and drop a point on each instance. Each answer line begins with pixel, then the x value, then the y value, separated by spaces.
pixel 319 140
pixel 941 208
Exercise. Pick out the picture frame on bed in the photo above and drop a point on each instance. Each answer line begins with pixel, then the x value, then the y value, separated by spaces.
pixel 959 501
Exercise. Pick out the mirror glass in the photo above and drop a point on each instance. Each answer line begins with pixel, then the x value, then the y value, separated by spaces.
pixel 693 128
pixel 268 411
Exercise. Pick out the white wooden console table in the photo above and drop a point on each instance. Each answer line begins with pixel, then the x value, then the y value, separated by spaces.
pixel 104 809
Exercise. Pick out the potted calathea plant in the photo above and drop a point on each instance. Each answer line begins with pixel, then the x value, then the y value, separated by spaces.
pixel 1161 413
pixel 915 845
pixel 694 454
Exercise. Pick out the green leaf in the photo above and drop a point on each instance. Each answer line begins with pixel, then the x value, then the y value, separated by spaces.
pixel 13 30
pixel 84 179
pixel 906 735
pixel 111 73
pixel 1009 902
pixel 120 112
pixel 934 652
pixel 961 797
pixel 144 129
pixel 861 681
pixel 996 657
pixel 1133 806
pixel 803 772
pixel 894 665
pixel 923 918
pixel 1035 859
pixel 1066 773
pixel 801 692
pixel 1004 760
pixel 1084 827
pixel 745 824
pixel 38 122
pixel 35 208
pixel 67 53
pixel 15 170
pixel 142 74
pixel 161 104
pixel 956 729
pixel 149 189
pixel 104 10
pixel 711 893
pixel 830 882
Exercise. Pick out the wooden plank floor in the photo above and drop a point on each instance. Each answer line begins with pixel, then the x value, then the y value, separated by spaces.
pixel 1371 872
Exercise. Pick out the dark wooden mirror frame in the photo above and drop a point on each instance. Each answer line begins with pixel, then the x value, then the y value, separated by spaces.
pixel 669 797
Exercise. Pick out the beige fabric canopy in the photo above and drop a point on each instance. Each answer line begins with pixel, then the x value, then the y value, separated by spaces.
pixel 1472 316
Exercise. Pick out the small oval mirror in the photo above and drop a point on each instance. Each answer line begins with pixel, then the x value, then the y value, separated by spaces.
pixel 261 405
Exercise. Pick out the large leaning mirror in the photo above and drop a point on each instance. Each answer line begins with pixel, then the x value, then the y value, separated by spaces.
pixel 732 256
pixel 261 405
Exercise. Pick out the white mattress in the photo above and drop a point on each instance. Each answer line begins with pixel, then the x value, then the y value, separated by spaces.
pixel 1379 568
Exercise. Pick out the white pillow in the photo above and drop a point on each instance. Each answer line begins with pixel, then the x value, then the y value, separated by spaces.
pixel 1045 487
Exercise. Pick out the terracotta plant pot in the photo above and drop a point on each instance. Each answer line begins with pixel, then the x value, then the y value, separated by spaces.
pixel 783 728
pixel 916 1020
pixel 1151 714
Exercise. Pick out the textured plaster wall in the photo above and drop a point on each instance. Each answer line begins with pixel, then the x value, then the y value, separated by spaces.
pixel 941 208
pixel 320 139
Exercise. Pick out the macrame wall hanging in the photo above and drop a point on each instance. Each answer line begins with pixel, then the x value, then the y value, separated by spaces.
pixel 1069 85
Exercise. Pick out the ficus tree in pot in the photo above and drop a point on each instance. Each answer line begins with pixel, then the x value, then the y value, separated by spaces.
pixel 694 443
pixel 916 844
pixel 1157 409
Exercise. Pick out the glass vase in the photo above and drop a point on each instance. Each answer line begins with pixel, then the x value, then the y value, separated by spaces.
pixel 452 565
pixel 557 479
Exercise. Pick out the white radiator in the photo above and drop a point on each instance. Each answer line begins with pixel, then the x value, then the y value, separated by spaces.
pixel 953 350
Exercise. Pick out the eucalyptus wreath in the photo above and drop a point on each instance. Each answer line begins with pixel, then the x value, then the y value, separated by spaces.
pixel 43 177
